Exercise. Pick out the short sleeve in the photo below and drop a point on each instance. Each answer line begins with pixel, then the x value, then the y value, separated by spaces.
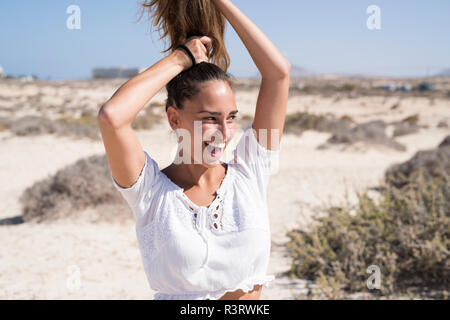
pixel 254 160
pixel 147 178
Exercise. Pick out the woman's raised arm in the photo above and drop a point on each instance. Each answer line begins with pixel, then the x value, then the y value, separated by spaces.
pixel 274 68
pixel 122 108
pixel 124 152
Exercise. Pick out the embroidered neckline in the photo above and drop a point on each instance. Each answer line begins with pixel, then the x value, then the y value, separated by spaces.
pixel 219 192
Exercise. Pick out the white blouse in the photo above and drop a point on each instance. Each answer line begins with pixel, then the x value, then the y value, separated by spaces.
pixel 192 252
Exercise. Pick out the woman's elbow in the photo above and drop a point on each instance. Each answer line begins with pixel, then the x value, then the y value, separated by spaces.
pixel 287 68
pixel 106 116
pixel 282 71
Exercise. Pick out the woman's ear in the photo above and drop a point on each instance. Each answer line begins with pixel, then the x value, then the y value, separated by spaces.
pixel 173 117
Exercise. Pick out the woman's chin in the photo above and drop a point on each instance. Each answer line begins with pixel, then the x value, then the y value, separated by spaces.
pixel 212 156
pixel 211 162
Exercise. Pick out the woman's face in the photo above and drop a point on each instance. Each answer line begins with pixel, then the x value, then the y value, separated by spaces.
pixel 207 123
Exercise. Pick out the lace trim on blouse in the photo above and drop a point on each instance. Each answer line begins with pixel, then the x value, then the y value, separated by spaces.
pixel 214 210
pixel 246 286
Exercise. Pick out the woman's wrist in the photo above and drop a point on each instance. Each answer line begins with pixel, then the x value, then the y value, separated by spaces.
pixel 181 58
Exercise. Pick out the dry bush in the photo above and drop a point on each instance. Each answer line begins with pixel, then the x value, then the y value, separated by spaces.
pixel 85 184
pixel 347 87
pixel 405 128
pixel 84 127
pixel 147 120
pixel 414 119
pixel 442 124
pixel 395 106
pixel 298 122
pixel 371 133
pixel 431 164
pixel 29 125
pixel 406 233
pixel 344 130
pixel 409 125
pixel 347 118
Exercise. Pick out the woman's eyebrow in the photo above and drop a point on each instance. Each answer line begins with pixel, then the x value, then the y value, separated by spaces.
pixel 217 113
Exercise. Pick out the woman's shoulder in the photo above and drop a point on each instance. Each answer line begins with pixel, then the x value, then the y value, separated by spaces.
pixel 251 158
pixel 149 184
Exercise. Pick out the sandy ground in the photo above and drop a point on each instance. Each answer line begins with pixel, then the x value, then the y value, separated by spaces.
pixel 75 259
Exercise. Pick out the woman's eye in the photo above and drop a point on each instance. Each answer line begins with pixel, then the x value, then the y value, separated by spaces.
pixel 214 119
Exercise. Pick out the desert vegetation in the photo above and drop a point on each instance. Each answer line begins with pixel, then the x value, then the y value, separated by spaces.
pixel 79 186
pixel 405 232
pixel 345 131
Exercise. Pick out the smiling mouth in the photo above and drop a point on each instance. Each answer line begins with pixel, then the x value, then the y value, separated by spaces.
pixel 215 149
pixel 214 145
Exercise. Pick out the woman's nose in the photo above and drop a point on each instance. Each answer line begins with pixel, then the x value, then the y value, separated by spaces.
pixel 226 132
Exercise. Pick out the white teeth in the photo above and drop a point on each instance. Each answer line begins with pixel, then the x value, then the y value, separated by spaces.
pixel 220 146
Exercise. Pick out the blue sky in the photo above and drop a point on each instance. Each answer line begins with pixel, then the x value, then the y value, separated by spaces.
pixel 323 36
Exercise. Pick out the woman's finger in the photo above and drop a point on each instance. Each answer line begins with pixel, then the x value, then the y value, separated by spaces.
pixel 207 41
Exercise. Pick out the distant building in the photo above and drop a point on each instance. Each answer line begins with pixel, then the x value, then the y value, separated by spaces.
pixel 27 78
pixel 2 73
pixel 299 85
pixel 426 86
pixel 108 73
pixel 405 87
pixel 390 87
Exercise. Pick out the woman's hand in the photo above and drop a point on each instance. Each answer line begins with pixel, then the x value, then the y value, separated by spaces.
pixel 200 48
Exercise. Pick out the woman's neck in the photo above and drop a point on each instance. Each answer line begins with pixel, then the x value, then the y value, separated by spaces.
pixel 195 175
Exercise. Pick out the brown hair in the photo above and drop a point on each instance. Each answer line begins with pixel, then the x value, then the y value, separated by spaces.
pixel 180 20
pixel 187 84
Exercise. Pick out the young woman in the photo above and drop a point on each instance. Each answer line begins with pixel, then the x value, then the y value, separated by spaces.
pixel 202 224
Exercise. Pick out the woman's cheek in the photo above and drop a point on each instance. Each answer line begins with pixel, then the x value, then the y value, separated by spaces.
pixel 211 132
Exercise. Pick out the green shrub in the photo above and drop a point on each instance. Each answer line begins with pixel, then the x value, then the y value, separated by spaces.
pixel 370 133
pixel 414 119
pixel 347 87
pixel 406 233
